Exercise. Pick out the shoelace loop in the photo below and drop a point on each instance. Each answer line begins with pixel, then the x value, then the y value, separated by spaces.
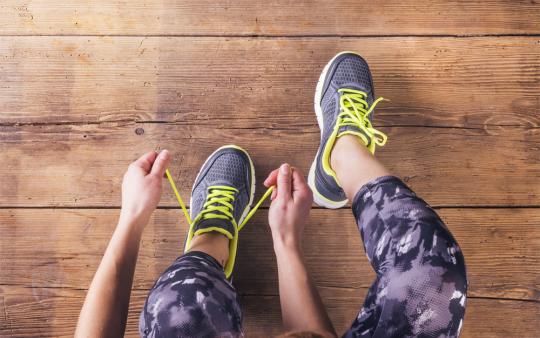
pixel 220 195
pixel 355 112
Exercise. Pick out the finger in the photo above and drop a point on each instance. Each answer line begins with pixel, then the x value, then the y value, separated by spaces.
pixel 274 193
pixel 161 163
pixel 301 190
pixel 145 161
pixel 299 184
pixel 284 182
pixel 271 179
pixel 298 180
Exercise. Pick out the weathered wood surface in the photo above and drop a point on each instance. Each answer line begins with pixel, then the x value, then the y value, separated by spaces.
pixel 53 312
pixel 471 83
pixel 86 87
pixel 50 312
pixel 244 17
pixel 82 165
pixel 62 249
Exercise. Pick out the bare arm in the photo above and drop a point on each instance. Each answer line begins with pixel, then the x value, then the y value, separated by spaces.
pixel 105 309
pixel 301 305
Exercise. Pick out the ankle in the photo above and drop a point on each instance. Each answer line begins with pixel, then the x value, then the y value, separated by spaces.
pixel 354 164
pixel 345 147
pixel 213 244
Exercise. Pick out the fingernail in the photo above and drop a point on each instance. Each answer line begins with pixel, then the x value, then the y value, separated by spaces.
pixel 285 169
pixel 165 153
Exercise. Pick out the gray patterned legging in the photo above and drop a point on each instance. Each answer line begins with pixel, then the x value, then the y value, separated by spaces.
pixel 420 289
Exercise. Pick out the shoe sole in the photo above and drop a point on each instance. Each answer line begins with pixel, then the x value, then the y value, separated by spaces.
pixel 317 197
pixel 252 188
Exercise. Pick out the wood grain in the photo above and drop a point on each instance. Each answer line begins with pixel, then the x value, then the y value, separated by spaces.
pixel 62 249
pixel 244 17
pixel 82 165
pixel 46 312
pixel 86 87
pixel 444 82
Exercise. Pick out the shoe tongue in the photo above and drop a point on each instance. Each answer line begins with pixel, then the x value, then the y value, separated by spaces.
pixel 208 225
pixel 353 130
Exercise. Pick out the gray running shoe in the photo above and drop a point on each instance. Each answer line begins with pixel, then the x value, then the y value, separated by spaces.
pixel 222 196
pixel 344 102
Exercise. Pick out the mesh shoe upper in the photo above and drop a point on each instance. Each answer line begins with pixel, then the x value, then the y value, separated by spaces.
pixel 230 167
pixel 347 70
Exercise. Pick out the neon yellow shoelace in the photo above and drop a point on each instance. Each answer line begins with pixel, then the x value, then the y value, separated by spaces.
pixel 218 203
pixel 355 112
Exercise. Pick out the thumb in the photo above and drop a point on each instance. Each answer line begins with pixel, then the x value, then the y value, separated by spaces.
pixel 161 163
pixel 284 182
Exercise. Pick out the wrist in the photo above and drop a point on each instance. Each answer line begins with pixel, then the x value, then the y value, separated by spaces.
pixel 132 220
pixel 286 244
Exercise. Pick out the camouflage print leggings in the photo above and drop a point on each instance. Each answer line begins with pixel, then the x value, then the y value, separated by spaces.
pixel 420 288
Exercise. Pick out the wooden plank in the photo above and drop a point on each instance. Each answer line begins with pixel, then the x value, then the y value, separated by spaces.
pixel 82 165
pixel 62 249
pixel 472 83
pixel 46 312
pixel 243 17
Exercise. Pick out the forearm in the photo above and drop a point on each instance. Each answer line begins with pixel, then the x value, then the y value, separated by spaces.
pixel 301 305
pixel 104 313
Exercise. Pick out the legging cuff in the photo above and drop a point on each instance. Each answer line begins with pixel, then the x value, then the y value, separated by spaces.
pixel 193 256
pixel 364 192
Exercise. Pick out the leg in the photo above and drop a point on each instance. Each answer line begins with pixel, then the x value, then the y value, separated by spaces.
pixel 354 165
pixel 421 285
pixel 420 289
pixel 192 298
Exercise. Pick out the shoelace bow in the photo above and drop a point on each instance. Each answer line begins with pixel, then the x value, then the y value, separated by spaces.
pixel 218 203
pixel 355 112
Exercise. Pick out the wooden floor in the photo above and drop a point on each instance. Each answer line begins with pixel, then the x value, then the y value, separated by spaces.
pixel 86 88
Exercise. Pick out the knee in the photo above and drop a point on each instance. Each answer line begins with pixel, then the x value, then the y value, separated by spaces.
pixel 439 262
pixel 427 299
pixel 427 241
pixel 431 272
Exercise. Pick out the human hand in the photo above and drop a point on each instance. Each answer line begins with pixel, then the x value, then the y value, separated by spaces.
pixel 291 203
pixel 141 187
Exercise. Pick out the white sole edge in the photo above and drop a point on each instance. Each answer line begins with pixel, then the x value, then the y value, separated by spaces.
pixel 319 200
